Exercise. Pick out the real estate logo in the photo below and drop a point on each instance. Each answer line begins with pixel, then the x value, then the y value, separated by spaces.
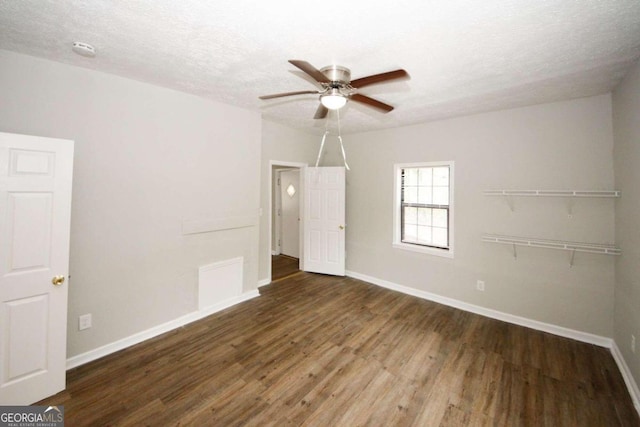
pixel 31 416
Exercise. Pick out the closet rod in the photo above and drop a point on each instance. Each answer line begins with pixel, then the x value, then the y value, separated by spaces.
pixel 554 193
pixel 594 248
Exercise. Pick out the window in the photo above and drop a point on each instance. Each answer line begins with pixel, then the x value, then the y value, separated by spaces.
pixel 423 208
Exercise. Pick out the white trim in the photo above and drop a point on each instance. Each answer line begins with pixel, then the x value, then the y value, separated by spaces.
pixel 396 242
pixel 264 282
pixel 487 312
pixel 139 337
pixel 632 386
pixel 207 225
pixel 423 249
pixel 218 264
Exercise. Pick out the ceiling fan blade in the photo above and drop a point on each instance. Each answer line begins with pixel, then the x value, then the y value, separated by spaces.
pixel 371 102
pixel 310 70
pixel 321 112
pixel 280 95
pixel 379 78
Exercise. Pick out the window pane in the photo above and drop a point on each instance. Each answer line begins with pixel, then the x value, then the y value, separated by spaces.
pixel 425 176
pixel 411 176
pixel 441 176
pixel 410 215
pixel 424 195
pixel 440 195
pixel 424 216
pixel 410 195
pixel 424 187
pixel 424 235
pixel 440 237
pixel 410 233
pixel 440 218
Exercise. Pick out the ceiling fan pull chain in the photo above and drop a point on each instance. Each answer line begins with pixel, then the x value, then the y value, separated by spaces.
pixel 324 137
pixel 344 156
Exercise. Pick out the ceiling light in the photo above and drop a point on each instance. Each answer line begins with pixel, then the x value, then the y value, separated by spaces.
pixel 333 100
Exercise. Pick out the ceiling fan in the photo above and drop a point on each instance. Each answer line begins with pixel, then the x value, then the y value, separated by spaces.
pixel 338 88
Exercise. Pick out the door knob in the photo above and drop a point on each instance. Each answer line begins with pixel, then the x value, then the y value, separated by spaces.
pixel 341 227
pixel 57 280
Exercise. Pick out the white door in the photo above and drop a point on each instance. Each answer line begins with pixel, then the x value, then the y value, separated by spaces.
pixel 35 211
pixel 324 220
pixel 290 213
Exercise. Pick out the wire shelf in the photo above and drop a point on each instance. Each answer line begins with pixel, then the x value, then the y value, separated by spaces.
pixel 553 193
pixel 594 248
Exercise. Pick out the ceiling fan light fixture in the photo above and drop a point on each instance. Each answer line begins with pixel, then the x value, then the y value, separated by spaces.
pixel 333 100
pixel 337 87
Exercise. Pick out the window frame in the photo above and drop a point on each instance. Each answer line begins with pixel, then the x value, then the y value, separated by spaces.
pixel 397 210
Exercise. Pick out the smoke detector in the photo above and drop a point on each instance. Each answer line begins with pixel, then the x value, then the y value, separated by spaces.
pixel 84 49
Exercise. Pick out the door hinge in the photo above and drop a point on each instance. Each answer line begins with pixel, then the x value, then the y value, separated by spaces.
pixel 278 181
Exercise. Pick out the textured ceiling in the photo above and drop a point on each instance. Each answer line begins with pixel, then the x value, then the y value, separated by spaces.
pixel 464 56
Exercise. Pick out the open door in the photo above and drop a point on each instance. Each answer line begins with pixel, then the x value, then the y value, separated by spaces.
pixel 324 220
pixel 35 212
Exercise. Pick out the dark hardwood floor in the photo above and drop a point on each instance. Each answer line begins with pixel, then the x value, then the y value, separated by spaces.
pixel 326 351
pixel 283 266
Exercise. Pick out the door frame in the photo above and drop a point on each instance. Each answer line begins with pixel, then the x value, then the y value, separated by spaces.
pixel 285 165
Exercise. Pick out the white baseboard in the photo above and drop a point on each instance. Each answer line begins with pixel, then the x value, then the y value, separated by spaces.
pixel 487 312
pixel 626 375
pixel 263 282
pixel 139 337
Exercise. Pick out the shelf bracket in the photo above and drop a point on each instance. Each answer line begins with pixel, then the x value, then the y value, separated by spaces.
pixel 515 252
pixel 570 204
pixel 573 256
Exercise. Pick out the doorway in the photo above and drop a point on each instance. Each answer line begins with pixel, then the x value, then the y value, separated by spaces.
pixel 286 215
pixel 321 224
pixel 288 212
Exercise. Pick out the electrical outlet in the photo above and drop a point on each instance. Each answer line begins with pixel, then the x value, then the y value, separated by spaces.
pixel 480 285
pixel 633 343
pixel 84 322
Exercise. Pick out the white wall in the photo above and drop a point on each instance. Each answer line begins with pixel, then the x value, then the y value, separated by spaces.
pixel 626 127
pixel 563 145
pixel 147 158
pixel 279 143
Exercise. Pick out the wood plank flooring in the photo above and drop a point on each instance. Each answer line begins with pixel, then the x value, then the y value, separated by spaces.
pixel 325 351
pixel 283 266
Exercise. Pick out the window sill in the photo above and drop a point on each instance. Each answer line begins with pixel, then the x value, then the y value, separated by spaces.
pixel 423 249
